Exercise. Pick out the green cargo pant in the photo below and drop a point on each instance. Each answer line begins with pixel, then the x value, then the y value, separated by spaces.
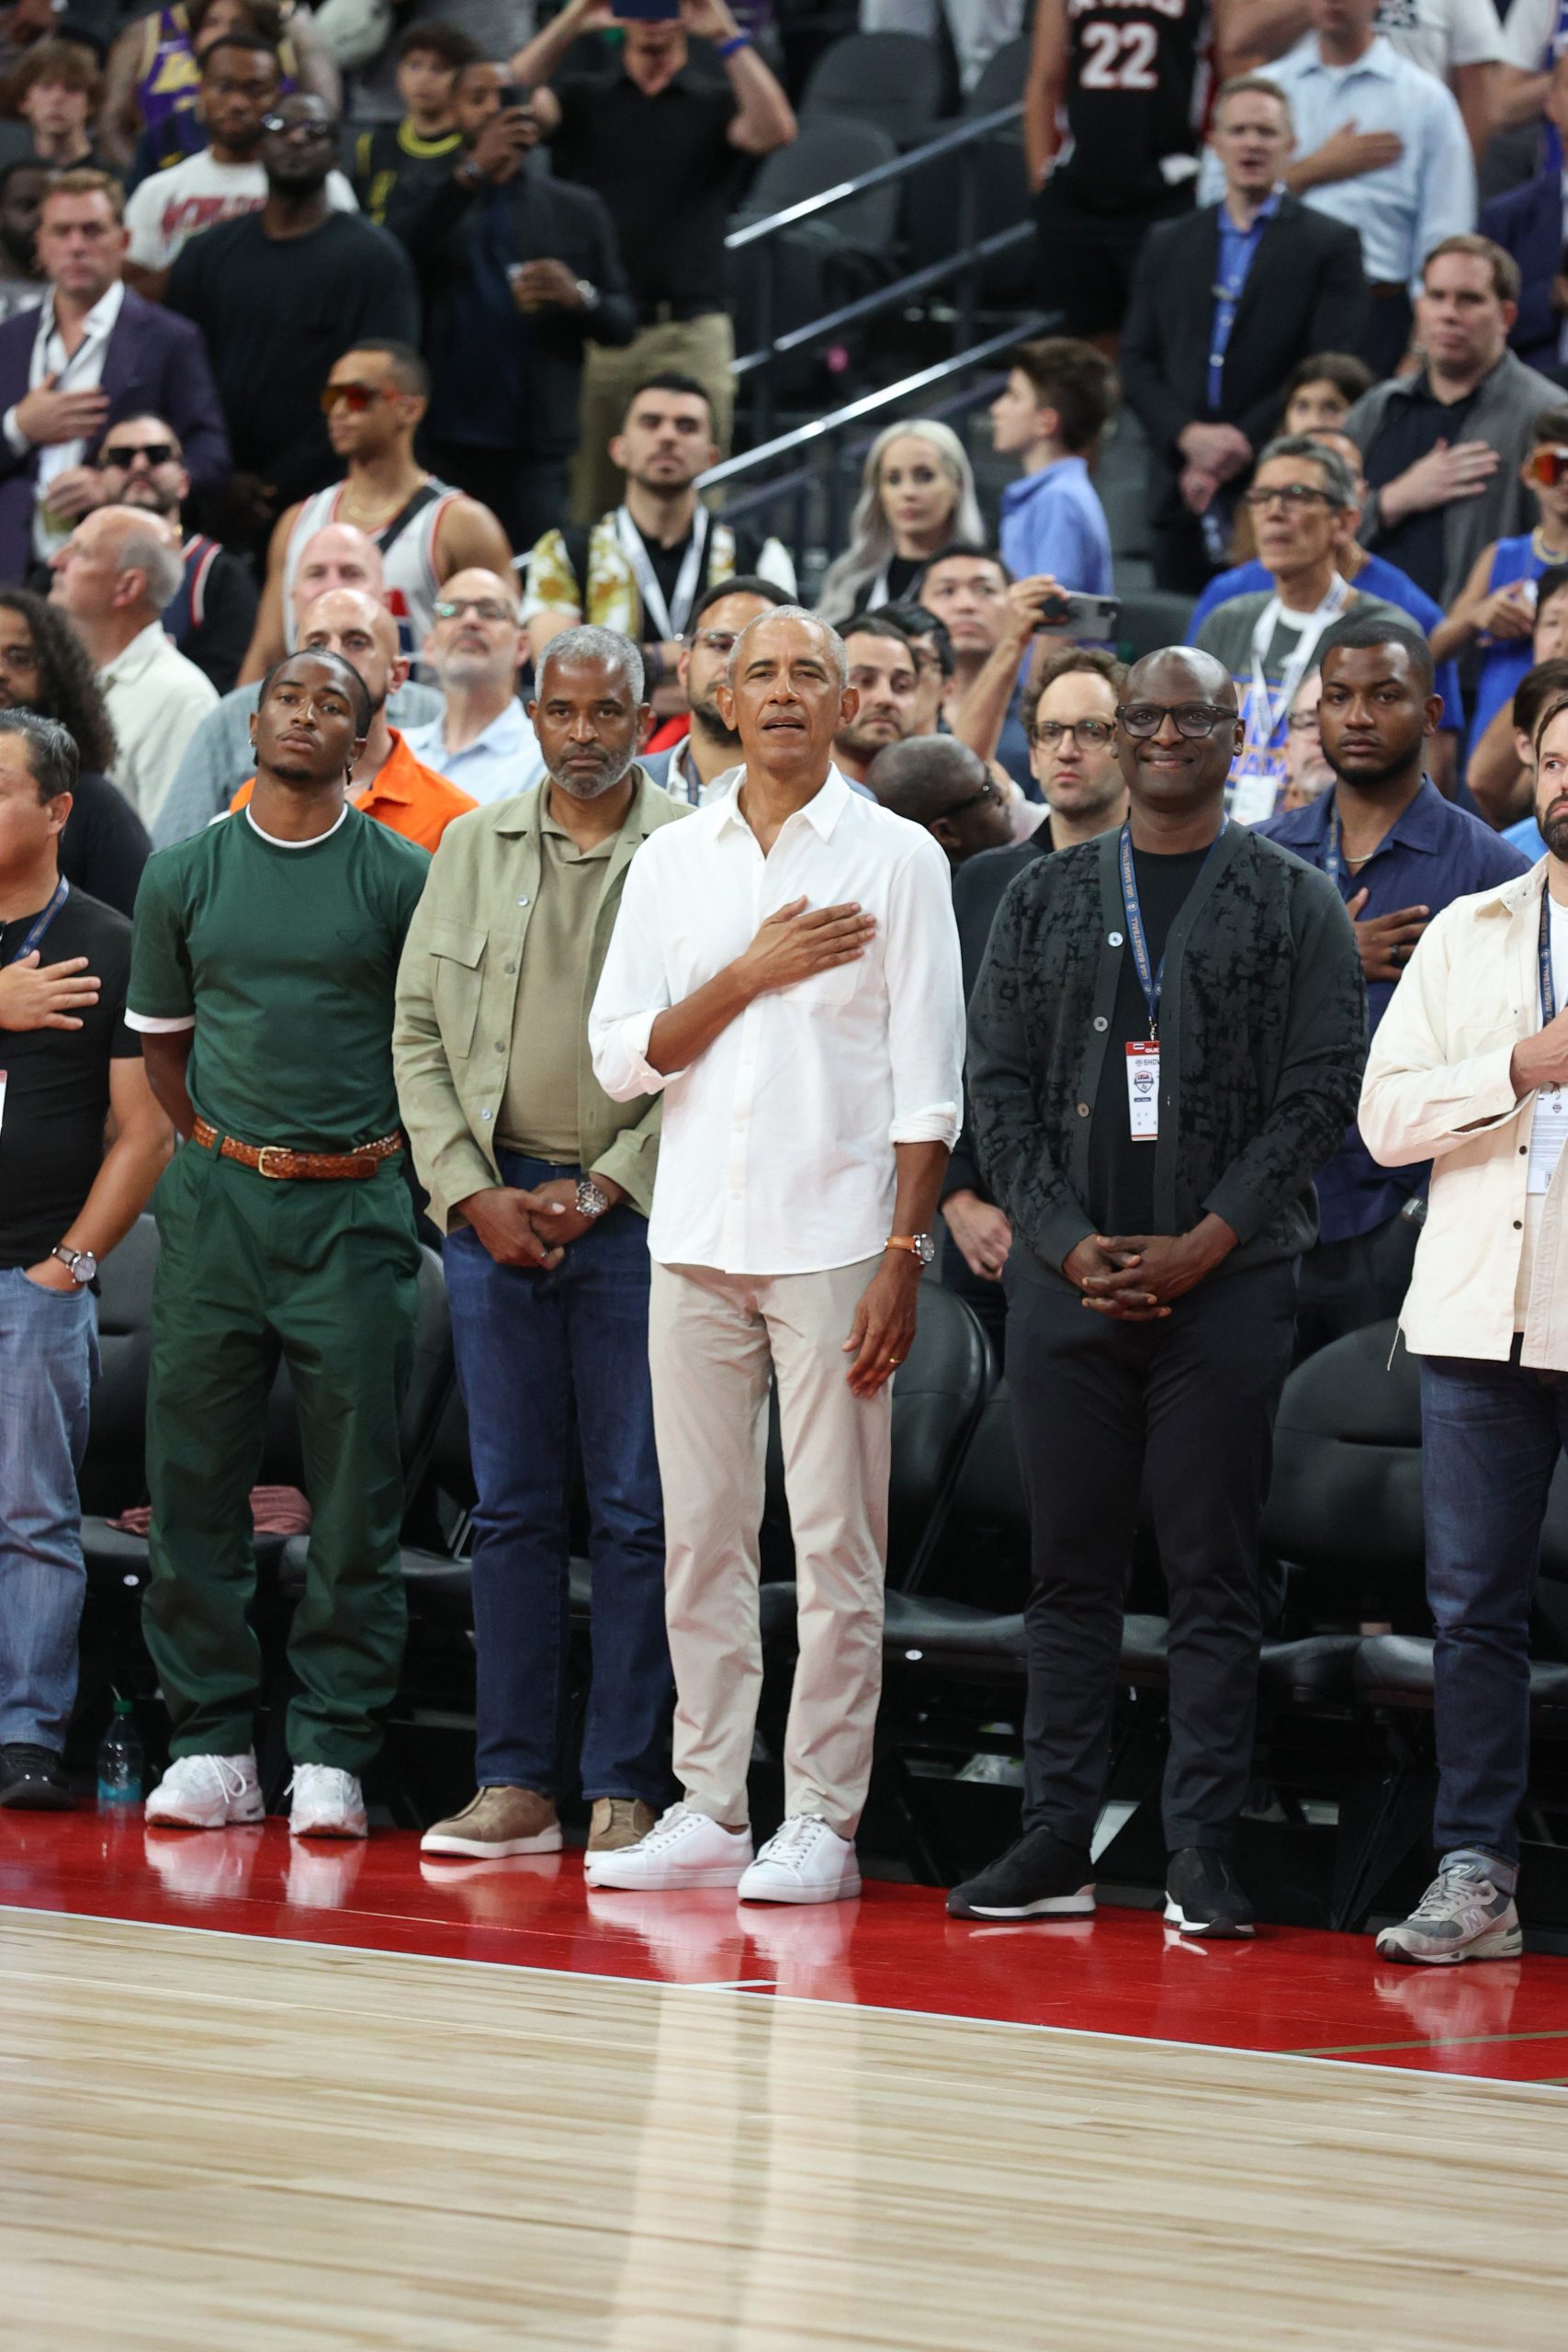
pixel 323 1275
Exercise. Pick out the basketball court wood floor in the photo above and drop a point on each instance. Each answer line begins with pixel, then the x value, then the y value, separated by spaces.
pixel 219 2134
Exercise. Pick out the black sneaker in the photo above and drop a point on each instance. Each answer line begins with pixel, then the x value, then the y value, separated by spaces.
pixel 1039 1878
pixel 32 1779
pixel 1204 1895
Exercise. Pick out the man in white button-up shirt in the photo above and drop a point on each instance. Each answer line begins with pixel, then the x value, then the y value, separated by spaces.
pixel 1469 1068
pixel 785 968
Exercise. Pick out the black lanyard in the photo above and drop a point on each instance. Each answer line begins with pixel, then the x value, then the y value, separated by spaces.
pixel 1150 980
pixel 40 923
pixel 1548 990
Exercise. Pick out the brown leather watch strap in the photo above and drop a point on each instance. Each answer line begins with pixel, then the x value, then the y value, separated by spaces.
pixel 282 1165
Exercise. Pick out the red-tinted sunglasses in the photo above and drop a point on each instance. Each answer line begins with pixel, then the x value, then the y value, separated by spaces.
pixel 1549 467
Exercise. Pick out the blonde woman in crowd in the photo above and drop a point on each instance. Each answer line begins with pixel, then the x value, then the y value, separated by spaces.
pixel 916 496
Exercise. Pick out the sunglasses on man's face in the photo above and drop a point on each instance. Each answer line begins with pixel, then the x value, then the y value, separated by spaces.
pixel 157 453
pixel 356 398
pixel 1549 467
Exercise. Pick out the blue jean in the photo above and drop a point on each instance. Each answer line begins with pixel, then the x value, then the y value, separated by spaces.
pixel 49 1353
pixel 1490 1434
pixel 542 1358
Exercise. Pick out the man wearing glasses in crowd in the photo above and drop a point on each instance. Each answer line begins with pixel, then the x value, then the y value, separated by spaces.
pixel 692 770
pixel 1304 512
pixel 482 738
pixel 140 463
pixel 373 402
pixel 1165 1046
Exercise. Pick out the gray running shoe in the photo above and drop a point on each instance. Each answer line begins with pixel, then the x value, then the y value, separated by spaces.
pixel 1461 1916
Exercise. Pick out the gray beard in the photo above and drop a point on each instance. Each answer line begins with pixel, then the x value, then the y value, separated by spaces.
pixel 601 785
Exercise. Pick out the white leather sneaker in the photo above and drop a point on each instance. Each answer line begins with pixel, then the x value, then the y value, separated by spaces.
pixel 207 1793
pixel 326 1803
pixel 683 1848
pixel 803 1861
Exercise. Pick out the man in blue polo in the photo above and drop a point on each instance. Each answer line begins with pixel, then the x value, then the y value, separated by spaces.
pixel 1399 852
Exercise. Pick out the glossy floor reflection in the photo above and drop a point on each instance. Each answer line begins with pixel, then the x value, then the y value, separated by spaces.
pixel 1121 1974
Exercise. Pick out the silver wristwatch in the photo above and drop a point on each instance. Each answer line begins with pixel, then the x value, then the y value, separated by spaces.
pixel 590 1201
pixel 80 1264
pixel 589 293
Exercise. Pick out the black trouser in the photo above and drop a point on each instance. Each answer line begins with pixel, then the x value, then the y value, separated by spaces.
pixel 1346 1285
pixel 987 1299
pixel 527 496
pixel 1085 260
pixel 1181 563
pixel 1183 1409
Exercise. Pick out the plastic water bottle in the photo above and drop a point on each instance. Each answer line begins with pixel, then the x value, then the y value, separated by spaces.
pixel 120 1758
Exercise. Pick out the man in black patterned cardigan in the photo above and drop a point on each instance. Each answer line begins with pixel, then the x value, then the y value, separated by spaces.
pixel 1165 1042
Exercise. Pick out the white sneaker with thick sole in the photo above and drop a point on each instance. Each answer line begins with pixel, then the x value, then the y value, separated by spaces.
pixel 207 1793
pixel 326 1803
pixel 803 1861
pixel 683 1848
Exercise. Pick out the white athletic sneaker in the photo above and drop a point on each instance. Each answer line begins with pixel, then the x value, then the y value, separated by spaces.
pixel 803 1861
pixel 327 1803
pixel 683 1848
pixel 207 1793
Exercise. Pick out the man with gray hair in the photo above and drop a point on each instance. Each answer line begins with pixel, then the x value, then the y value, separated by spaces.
pixel 785 968
pixel 541 1185
pixel 1303 502
pixel 113 577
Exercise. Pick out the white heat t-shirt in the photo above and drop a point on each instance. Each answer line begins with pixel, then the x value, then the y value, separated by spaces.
pixel 170 207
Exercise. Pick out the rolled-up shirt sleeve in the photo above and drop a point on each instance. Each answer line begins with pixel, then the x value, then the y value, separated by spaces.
pixel 633 991
pixel 925 1001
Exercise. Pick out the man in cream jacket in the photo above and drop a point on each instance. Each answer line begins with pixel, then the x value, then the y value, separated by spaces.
pixel 1470 1068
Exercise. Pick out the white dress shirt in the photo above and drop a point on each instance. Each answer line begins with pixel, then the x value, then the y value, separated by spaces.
pixel 80 371
pixel 1403 211
pixel 156 700
pixel 776 1154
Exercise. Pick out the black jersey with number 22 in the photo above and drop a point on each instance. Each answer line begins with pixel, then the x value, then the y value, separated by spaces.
pixel 1132 98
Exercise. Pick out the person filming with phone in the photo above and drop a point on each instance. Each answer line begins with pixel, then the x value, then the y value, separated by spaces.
pixel 517 269
pixel 667 148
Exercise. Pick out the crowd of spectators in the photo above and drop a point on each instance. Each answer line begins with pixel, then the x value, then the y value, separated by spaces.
pixel 357 378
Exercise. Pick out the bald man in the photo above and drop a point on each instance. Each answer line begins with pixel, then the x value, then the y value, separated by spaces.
pixel 112 579
pixel 938 781
pixel 1166 1037
pixel 385 782
pixel 218 757
pixel 476 645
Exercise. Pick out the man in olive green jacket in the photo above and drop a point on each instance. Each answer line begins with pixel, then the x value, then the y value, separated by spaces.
pixel 541 1185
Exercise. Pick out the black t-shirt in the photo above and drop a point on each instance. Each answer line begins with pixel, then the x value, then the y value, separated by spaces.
pixel 1411 427
pixel 103 848
pixel 395 171
pixel 57 1082
pixel 1121 1172
pixel 1132 74
pixel 667 172
pixel 276 313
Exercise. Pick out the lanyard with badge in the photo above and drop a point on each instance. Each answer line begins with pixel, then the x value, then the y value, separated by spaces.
pixel 668 621
pixel 36 929
pixel 1143 1054
pixel 1548 985
pixel 1256 781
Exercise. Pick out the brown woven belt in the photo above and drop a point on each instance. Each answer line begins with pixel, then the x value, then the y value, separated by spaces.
pixel 277 1161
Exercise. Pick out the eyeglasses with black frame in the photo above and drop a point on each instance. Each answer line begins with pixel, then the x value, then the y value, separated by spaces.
pixel 1093 734
pixel 1286 493
pixel 1194 719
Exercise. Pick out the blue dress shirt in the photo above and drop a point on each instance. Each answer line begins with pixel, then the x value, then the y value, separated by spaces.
pixel 505 759
pixel 1433 854
pixel 1238 249
pixel 1053 522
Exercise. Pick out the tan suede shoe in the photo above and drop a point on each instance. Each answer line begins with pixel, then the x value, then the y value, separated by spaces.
pixel 617 1822
pixel 498 1821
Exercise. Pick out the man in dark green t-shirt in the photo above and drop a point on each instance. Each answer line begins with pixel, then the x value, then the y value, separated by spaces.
pixel 261 982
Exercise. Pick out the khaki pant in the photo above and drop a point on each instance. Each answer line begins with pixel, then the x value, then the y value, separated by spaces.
pixel 703 349
pixel 713 1341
